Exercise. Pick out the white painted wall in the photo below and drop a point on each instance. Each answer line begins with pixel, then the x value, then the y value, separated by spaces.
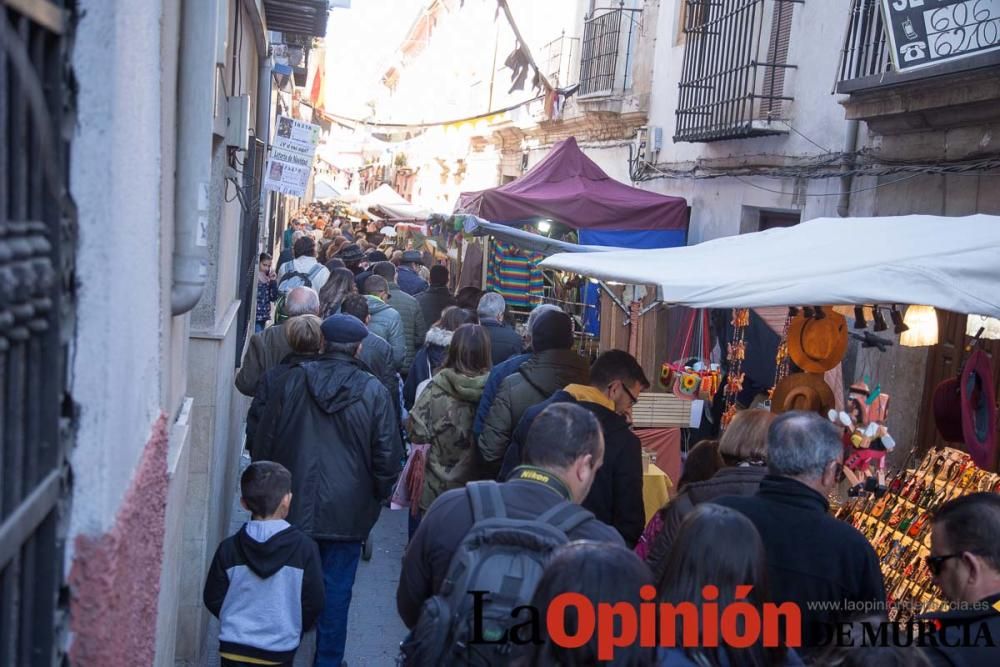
pixel 115 181
pixel 816 40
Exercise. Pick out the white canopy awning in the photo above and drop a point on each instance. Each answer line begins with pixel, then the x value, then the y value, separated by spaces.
pixel 949 263
pixel 324 189
pixel 393 203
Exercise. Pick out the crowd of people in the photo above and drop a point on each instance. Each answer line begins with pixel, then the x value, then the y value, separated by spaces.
pixel 523 480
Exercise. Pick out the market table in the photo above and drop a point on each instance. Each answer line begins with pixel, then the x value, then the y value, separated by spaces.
pixel 656 486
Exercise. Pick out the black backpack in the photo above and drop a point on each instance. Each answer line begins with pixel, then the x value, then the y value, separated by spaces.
pixel 290 281
pixel 501 555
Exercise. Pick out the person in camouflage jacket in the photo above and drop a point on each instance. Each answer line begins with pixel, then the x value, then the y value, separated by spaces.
pixel 443 413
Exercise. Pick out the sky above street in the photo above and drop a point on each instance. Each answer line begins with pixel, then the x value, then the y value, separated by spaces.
pixel 359 43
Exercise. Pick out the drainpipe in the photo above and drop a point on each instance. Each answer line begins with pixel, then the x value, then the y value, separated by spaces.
pixel 847 180
pixel 194 153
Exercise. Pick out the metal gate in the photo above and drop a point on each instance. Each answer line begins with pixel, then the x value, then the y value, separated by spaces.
pixel 250 201
pixel 37 236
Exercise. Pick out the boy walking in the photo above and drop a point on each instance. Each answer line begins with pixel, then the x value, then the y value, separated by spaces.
pixel 265 584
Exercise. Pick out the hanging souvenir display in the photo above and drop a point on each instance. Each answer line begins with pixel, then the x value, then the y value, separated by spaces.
pixel 782 361
pixel 736 353
pixel 694 377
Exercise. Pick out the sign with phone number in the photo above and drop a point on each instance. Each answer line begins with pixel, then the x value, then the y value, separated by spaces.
pixel 928 32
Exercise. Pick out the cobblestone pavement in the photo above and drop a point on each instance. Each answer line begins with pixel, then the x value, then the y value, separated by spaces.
pixel 374 629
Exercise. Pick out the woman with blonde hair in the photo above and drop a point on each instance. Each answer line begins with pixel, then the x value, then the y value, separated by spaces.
pixel 744 449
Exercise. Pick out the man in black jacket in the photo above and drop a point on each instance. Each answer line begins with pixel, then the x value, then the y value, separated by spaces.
pixel 435 298
pixel 376 353
pixel 811 556
pixel 562 455
pixel 965 562
pixel 333 427
pixel 616 379
pixel 306 340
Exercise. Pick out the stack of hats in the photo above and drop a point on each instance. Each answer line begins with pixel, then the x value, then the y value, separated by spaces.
pixel 815 345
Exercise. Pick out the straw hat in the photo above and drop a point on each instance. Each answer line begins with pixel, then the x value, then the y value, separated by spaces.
pixel 802 391
pixel 816 346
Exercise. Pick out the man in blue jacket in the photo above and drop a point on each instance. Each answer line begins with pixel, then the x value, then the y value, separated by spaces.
pixel 407 277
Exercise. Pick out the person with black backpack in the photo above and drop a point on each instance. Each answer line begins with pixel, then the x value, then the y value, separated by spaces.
pixel 303 271
pixel 466 543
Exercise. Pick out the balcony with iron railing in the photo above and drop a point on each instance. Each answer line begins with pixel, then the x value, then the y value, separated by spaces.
pixel 734 78
pixel 559 56
pixel 945 72
pixel 607 51
pixel 866 62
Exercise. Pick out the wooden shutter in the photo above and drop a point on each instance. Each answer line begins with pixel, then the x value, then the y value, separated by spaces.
pixel 773 84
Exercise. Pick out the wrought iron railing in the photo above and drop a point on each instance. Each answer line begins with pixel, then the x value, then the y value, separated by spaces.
pixel 866 49
pixel 609 37
pixel 37 237
pixel 251 200
pixel 559 55
pixel 733 82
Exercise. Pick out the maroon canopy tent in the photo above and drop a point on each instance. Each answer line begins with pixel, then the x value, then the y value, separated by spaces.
pixel 569 187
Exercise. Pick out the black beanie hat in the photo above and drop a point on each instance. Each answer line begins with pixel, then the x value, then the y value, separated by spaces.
pixel 553 330
pixel 439 275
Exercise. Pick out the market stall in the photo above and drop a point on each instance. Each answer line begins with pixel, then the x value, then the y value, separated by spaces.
pixel 870 267
pixel 567 189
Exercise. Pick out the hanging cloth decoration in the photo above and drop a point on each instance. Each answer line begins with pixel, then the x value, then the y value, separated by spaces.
pixel 736 353
pixel 519 63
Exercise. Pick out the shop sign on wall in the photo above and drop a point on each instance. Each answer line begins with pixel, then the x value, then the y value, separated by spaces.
pixel 292 153
pixel 929 32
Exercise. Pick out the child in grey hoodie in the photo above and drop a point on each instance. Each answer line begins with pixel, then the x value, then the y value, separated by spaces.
pixel 265 584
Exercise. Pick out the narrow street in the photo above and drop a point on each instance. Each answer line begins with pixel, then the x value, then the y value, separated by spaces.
pixel 375 627
pixel 666 261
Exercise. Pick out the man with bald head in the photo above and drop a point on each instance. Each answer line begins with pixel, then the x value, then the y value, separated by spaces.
pixel 270 346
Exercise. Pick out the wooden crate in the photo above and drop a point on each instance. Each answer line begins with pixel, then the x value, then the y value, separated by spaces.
pixel 660 411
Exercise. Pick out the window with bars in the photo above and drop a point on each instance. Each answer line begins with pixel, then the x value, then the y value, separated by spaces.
pixel 37 236
pixel 606 53
pixel 733 82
